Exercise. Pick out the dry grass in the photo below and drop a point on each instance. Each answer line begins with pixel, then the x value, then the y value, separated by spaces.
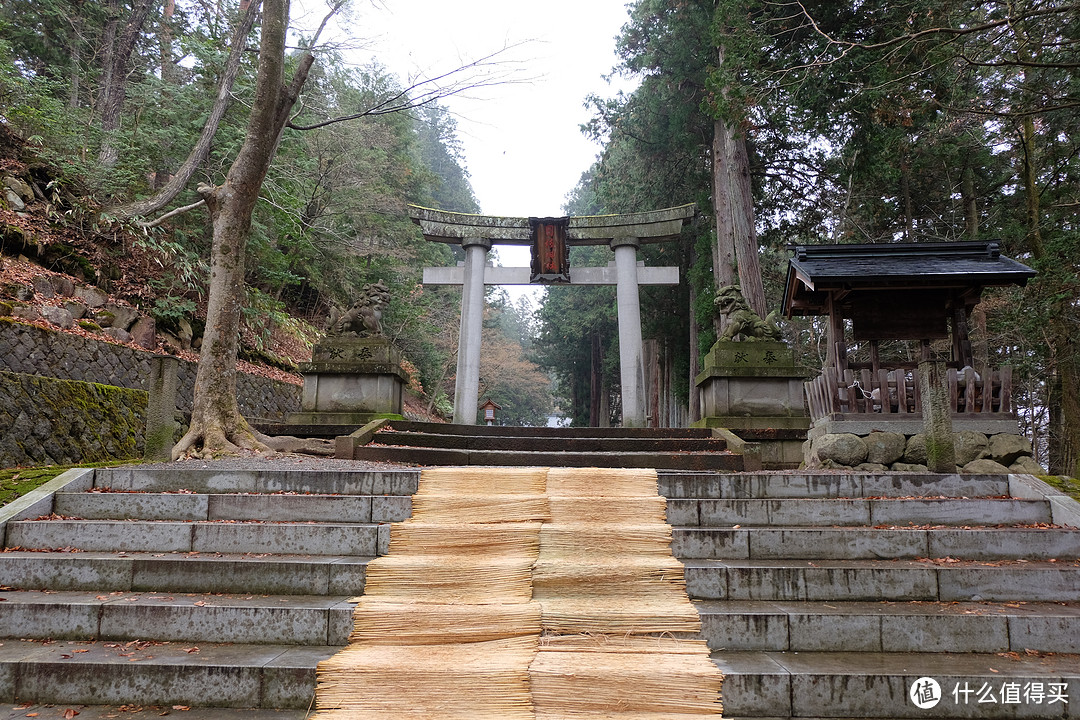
pixel 525 593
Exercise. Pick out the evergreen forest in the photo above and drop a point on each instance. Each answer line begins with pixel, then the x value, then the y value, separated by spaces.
pixel 786 123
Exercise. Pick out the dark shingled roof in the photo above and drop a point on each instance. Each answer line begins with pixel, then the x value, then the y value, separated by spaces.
pixel 952 265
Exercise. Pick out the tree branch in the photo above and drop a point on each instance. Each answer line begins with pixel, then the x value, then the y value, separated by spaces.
pixel 431 90
pixel 172 213
pixel 201 151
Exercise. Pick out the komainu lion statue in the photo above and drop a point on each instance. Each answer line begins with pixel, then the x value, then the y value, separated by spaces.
pixel 363 318
pixel 741 320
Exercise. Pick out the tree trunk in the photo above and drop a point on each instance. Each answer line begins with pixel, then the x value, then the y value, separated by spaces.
pixel 108 49
pixel 596 376
pixel 75 57
pixel 112 103
pixel 735 258
pixel 905 193
pixel 694 399
pixel 971 208
pixel 216 423
pixel 736 251
pixel 179 180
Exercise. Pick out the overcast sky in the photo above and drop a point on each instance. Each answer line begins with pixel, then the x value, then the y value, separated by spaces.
pixel 523 148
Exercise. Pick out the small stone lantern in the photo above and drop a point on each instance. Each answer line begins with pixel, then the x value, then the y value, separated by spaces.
pixel 489 407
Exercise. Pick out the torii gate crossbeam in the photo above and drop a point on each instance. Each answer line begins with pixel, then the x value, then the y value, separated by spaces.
pixel 622 233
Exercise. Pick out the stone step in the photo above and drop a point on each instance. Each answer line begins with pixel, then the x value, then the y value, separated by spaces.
pixel 548 432
pixel 270 508
pixel 855 543
pixel 835 485
pixel 857 511
pixel 714 461
pixel 192 617
pixel 877 685
pixel 165 674
pixel 194 572
pixel 174 477
pixel 222 537
pixel 945 580
pixel 9 711
pixel 890 627
pixel 559 444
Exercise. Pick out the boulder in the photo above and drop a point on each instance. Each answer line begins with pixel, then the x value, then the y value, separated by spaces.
pixel 26 312
pixel 185 335
pixel 909 467
pixel 18 186
pixel 884 448
pixel 77 309
pixel 970 445
pixel 984 466
pixel 119 316
pixel 871 467
pixel 1007 449
pixel 58 316
pixel 842 448
pixel 14 201
pixel 118 334
pixel 62 286
pixel 5 309
pixel 1028 466
pixel 43 287
pixel 92 296
pixel 24 293
pixel 144 332
pixel 915 452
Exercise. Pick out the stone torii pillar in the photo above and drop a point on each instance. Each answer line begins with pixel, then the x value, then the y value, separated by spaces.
pixel 622 233
pixel 631 366
pixel 467 382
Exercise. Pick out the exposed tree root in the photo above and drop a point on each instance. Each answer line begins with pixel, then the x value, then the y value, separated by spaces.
pixel 207 439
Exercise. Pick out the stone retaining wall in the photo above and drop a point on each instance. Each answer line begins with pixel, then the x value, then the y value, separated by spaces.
pixel 976 452
pixel 45 421
pixel 32 350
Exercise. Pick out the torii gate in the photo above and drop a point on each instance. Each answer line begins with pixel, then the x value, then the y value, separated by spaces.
pixel 549 239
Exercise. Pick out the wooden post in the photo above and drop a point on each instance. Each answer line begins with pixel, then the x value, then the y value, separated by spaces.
pixel 937 417
pixel 161 422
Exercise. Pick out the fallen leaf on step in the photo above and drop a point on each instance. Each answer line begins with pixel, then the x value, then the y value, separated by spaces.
pixel 180 707
pixel 70 713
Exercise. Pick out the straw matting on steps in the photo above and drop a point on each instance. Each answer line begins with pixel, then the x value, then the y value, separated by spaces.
pixel 525 593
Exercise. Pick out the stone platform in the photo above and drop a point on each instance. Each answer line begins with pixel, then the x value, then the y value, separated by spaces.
pixel 822 595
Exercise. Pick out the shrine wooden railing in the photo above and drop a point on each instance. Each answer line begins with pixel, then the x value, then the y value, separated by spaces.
pixel 859 392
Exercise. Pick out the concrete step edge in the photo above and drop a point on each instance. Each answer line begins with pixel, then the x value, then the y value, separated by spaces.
pixel 185 572
pixel 877 685
pixel 102 673
pixel 189 617
pixel 134 712
pixel 890 627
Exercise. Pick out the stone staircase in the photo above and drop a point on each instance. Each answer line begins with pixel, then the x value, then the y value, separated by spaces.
pixel 827 596
pixel 821 595
pixel 167 586
pixel 442 444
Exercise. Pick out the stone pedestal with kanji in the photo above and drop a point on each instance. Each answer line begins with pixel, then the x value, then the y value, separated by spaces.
pixel 752 385
pixel 351 381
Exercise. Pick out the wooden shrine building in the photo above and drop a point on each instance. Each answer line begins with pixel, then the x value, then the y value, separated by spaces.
pixel 889 306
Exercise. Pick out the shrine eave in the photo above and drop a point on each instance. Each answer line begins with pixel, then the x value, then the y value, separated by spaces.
pixel 819 271
pixel 647 227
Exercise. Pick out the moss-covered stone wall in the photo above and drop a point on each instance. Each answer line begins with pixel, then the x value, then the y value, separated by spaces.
pixel 45 421
pixel 32 350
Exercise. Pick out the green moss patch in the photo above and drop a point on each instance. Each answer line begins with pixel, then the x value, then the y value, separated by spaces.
pixel 1069 486
pixel 16 482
